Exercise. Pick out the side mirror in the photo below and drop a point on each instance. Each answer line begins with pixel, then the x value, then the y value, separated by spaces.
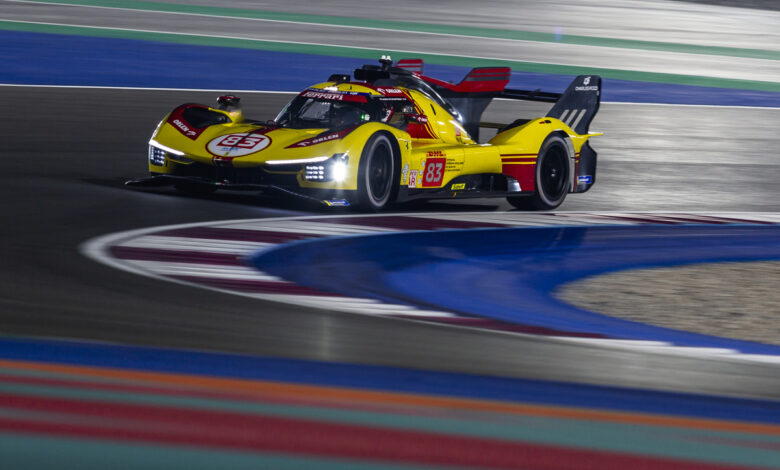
pixel 228 101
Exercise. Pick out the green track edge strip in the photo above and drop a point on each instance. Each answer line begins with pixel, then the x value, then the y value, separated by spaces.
pixel 467 31
pixel 371 54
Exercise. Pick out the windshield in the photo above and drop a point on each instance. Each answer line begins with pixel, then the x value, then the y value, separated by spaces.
pixel 312 110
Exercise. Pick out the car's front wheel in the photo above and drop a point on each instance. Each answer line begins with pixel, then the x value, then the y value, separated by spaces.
pixel 552 177
pixel 376 173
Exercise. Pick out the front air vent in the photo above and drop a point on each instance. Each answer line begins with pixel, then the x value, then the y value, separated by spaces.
pixel 201 117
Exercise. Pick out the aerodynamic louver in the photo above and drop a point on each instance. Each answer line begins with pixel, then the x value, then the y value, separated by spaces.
pixel 200 116
pixel 192 119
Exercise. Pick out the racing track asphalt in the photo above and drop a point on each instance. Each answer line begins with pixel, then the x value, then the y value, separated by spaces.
pixel 68 151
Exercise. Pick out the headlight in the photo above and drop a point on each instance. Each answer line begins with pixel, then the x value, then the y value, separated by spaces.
pixel 338 171
pixel 158 152
pixel 315 173
pixel 334 169
pixel 156 156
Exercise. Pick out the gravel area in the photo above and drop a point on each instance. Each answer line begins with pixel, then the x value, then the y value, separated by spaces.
pixel 734 300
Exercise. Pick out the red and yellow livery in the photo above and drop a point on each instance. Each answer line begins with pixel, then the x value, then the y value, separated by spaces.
pixel 386 134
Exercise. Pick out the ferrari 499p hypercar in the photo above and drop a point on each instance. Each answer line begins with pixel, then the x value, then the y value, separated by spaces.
pixel 386 134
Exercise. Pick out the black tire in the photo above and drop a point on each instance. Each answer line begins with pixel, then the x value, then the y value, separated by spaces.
pixel 377 173
pixel 191 188
pixel 552 179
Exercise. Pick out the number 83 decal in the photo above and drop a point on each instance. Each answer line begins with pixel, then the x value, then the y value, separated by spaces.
pixel 434 172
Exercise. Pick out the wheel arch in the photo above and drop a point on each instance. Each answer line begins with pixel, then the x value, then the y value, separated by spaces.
pixel 571 151
pixel 396 162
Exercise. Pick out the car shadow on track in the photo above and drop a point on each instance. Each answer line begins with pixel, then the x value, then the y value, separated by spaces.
pixel 292 203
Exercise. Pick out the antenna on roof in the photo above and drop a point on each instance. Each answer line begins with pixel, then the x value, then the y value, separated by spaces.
pixel 386 62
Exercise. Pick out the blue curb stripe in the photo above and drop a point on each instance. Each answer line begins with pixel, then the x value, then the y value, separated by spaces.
pixel 510 274
pixel 392 379
pixel 51 59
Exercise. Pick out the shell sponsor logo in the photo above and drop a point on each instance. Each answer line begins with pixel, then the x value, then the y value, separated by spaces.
pixel 390 91
pixel 183 127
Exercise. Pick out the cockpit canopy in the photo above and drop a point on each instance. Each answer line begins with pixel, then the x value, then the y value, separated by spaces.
pixel 317 109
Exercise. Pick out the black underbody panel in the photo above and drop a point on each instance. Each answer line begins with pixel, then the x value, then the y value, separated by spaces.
pixel 474 186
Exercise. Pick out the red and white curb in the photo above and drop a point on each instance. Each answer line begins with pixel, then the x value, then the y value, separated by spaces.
pixel 211 255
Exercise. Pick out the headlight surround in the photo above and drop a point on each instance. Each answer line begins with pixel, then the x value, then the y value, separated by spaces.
pixel 339 167
pixel 336 168
pixel 158 153
pixel 156 156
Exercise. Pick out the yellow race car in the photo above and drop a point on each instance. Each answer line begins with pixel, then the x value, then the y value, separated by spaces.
pixel 386 134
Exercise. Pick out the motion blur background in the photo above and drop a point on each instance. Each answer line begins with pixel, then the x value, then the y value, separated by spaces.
pixel 102 367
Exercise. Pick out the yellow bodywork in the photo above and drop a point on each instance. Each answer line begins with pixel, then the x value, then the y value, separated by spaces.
pixel 446 139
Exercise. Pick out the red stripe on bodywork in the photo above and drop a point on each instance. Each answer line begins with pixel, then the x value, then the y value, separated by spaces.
pixel 524 174
pixel 185 128
pixel 322 138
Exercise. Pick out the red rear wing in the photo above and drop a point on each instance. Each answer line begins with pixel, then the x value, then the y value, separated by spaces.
pixel 413 65
pixel 479 80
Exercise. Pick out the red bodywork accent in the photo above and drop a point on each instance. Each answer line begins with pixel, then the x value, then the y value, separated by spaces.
pixel 418 130
pixel 413 65
pixel 436 168
pixel 524 174
pixel 176 119
pixel 483 79
pixel 222 161
pixel 320 139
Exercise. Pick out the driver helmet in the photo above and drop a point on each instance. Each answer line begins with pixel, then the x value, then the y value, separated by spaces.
pixel 344 115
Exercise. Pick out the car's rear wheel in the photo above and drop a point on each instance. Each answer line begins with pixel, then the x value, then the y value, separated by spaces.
pixel 552 177
pixel 377 173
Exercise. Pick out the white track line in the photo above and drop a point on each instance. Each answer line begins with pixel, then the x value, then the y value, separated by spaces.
pixel 98 249
pixel 164 268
